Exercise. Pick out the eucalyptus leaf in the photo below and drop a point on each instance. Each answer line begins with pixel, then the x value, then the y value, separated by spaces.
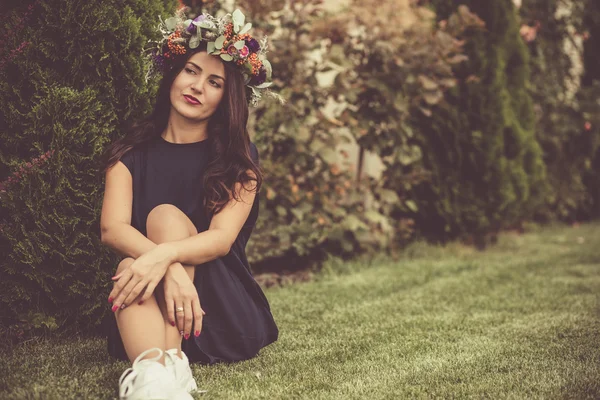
pixel 194 41
pixel 206 25
pixel 210 47
pixel 238 20
pixel 264 85
pixel 268 67
pixel 246 28
pixel 187 23
pixel 226 57
pixel 171 23
pixel 219 42
pixel 239 44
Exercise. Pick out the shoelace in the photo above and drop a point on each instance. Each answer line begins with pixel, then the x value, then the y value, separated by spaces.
pixel 175 361
pixel 173 358
pixel 128 376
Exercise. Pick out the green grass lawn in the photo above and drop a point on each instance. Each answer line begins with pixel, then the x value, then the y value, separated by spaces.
pixel 520 320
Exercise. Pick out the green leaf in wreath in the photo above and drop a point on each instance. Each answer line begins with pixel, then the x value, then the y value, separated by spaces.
pixel 219 42
pixel 210 47
pixel 245 29
pixel 194 41
pixel 268 67
pixel 171 23
pixel 226 57
pixel 238 20
pixel 264 85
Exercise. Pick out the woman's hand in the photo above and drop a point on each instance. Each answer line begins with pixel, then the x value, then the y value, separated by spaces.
pixel 145 272
pixel 181 292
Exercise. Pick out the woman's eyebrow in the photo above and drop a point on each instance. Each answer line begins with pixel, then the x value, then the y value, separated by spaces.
pixel 215 75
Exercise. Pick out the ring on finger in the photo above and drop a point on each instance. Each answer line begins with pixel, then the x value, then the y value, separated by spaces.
pixel 179 309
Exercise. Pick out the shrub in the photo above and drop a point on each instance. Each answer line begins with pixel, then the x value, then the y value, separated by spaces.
pixel 563 115
pixel 70 76
pixel 486 165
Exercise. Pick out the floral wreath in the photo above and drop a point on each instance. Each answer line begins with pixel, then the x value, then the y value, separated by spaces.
pixel 226 38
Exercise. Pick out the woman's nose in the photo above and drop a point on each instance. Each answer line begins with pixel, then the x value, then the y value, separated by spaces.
pixel 198 85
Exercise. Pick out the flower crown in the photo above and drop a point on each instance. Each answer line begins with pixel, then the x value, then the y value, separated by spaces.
pixel 226 38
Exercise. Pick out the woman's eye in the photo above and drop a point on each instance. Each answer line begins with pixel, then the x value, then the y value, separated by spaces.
pixel 189 70
pixel 214 83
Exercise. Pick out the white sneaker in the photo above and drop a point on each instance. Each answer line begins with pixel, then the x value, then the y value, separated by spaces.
pixel 148 379
pixel 181 371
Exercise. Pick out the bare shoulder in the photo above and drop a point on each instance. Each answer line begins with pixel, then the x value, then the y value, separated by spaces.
pixel 118 196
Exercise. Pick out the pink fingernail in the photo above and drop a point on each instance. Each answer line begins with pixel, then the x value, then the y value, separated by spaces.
pixel 197 333
pixel 110 299
pixel 115 308
pixel 172 323
pixel 141 302
pixel 187 336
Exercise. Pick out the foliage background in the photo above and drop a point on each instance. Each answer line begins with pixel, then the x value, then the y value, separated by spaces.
pixel 478 128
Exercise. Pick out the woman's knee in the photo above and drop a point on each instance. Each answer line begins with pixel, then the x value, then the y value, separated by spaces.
pixel 126 262
pixel 167 219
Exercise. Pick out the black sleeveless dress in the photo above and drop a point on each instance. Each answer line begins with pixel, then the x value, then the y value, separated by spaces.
pixel 238 320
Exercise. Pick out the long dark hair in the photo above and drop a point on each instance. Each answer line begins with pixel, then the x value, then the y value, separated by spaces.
pixel 227 135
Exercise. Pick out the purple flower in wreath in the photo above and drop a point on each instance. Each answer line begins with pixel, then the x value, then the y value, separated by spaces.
pixel 192 28
pixel 258 79
pixel 253 45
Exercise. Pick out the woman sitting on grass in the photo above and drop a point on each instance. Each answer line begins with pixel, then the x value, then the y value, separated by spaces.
pixel 180 204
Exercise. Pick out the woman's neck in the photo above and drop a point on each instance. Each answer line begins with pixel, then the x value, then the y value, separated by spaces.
pixel 182 131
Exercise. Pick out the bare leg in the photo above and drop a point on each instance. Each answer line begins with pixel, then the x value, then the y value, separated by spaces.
pixel 141 327
pixel 167 223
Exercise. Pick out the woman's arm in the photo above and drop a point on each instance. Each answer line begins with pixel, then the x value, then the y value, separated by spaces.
pixel 118 233
pixel 126 240
pixel 222 232
pixel 115 220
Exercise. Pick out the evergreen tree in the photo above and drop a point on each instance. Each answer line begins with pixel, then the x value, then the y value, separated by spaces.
pixel 590 93
pixel 486 165
pixel 71 77
pixel 591 25
pixel 567 144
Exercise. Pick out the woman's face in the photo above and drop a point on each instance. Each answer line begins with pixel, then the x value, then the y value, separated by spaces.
pixel 202 78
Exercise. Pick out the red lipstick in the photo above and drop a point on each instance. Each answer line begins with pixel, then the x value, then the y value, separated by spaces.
pixel 191 99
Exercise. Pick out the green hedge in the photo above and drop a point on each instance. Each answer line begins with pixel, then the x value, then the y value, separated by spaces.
pixel 590 93
pixel 70 77
pixel 456 137
pixel 563 123
pixel 486 165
